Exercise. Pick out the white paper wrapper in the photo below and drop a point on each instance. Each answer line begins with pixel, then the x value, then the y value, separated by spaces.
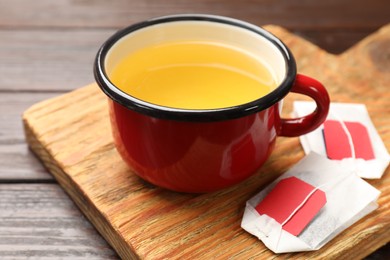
pixel 349 198
pixel 314 141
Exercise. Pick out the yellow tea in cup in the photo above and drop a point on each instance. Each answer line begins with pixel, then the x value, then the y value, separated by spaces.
pixel 193 75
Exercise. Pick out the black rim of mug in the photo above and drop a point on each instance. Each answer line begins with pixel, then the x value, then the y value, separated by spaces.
pixel 202 115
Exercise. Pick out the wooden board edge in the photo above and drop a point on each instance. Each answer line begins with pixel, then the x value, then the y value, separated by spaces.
pixel 75 193
pixel 371 245
pixel 370 241
pixel 383 30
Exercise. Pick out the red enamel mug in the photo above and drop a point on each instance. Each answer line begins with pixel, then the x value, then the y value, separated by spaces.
pixel 203 150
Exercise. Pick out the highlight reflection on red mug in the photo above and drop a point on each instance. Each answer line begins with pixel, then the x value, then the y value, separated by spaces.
pixel 203 150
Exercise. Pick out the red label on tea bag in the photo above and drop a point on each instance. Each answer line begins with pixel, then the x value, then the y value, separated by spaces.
pixel 292 195
pixel 338 146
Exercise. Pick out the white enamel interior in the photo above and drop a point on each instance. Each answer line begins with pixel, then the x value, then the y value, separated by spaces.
pixel 252 43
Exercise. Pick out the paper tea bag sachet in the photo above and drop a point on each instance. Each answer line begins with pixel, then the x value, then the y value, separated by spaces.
pixel 309 205
pixel 347 135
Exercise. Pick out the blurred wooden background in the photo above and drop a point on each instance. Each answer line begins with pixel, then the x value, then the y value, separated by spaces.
pixel 47 47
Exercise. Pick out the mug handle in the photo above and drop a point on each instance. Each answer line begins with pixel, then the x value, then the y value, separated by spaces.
pixel 302 125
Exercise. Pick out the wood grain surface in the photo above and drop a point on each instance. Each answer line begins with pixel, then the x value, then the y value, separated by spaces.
pixel 33 32
pixel 68 52
pixel 294 14
pixel 143 221
pixel 60 230
pixel 13 148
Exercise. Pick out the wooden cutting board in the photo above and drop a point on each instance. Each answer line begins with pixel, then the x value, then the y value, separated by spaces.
pixel 71 135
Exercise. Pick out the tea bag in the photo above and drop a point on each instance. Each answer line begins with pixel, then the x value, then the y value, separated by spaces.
pixel 339 199
pixel 354 134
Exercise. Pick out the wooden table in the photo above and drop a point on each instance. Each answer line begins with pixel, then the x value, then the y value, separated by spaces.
pixel 47 48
